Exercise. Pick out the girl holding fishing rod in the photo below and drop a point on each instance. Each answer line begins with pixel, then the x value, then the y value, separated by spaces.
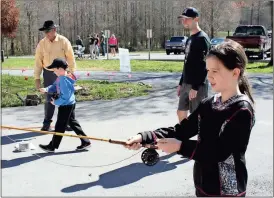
pixel 223 124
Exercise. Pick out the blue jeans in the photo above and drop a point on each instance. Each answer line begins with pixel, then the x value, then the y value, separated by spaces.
pixel 103 46
pixel 49 79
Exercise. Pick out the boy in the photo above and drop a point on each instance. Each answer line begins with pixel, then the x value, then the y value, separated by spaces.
pixel 63 88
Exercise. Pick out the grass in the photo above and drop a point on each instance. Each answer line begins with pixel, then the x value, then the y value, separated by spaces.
pixel 102 65
pixel 93 90
pixel 259 67
pixel 224 34
pixel 136 65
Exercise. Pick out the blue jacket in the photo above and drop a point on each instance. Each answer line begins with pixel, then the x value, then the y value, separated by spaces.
pixel 64 86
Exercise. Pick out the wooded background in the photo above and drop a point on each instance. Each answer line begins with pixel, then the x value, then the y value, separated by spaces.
pixel 129 20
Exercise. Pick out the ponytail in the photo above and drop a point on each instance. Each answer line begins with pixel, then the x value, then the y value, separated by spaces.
pixel 245 88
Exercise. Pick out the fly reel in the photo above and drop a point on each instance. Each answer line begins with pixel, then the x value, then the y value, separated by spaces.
pixel 150 157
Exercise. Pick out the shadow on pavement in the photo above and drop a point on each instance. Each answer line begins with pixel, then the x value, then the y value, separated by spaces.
pixel 18 137
pixel 24 160
pixel 127 175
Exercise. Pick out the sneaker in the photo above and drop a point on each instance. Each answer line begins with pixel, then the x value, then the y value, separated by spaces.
pixel 46 148
pixel 68 128
pixel 46 128
pixel 83 146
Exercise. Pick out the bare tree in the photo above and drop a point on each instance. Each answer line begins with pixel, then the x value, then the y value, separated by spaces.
pixel 129 19
pixel 271 14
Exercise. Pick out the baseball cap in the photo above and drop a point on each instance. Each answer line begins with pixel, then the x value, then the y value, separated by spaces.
pixel 189 12
pixel 57 63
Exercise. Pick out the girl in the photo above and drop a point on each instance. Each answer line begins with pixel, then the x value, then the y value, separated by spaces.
pixel 113 44
pixel 222 124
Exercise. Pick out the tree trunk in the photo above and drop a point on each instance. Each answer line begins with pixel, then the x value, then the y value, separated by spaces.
pixel 251 14
pixel 12 47
pixel 2 43
pixel 271 60
pixel 59 18
pixel 74 20
pixel 29 30
pixel 259 10
pixel 7 51
pixel 212 20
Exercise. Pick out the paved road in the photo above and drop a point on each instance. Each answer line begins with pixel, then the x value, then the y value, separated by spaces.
pixel 145 56
pixel 135 56
pixel 26 174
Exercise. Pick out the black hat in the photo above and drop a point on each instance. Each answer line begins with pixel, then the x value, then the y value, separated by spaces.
pixel 189 12
pixel 48 25
pixel 57 63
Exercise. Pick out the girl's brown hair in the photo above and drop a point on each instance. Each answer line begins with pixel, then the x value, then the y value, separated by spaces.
pixel 232 55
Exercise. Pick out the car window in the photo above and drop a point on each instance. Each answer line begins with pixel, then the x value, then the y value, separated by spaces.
pixel 177 39
pixel 217 40
pixel 245 30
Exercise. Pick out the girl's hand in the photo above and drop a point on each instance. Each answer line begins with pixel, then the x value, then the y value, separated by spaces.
pixel 134 143
pixel 169 145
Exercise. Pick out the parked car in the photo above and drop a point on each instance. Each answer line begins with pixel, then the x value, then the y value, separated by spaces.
pixel 216 41
pixel 176 44
pixel 254 38
pixel 269 33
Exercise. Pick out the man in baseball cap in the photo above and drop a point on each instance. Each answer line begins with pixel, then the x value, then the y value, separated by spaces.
pixel 193 85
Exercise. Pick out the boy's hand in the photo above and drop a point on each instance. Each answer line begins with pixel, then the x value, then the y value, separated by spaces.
pixel 43 90
pixel 52 101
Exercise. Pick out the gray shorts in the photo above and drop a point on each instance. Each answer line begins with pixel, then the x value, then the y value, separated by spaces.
pixel 185 104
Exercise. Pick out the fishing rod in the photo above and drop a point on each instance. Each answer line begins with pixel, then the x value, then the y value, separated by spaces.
pixel 150 157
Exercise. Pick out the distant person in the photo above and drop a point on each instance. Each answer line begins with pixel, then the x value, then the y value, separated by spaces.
pixel 79 41
pixel 52 46
pixel 103 43
pixel 193 85
pixel 92 46
pixel 113 44
pixel 97 45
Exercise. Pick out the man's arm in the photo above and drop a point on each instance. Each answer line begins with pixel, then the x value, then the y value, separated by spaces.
pixel 181 79
pixel 199 49
pixel 38 65
pixel 70 56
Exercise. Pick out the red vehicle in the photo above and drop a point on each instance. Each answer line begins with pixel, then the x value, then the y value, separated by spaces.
pixel 254 38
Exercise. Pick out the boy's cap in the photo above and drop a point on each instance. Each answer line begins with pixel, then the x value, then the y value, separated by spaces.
pixel 57 63
pixel 189 12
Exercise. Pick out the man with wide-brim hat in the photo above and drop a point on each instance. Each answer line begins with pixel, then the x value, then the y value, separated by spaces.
pixel 48 25
pixel 52 46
